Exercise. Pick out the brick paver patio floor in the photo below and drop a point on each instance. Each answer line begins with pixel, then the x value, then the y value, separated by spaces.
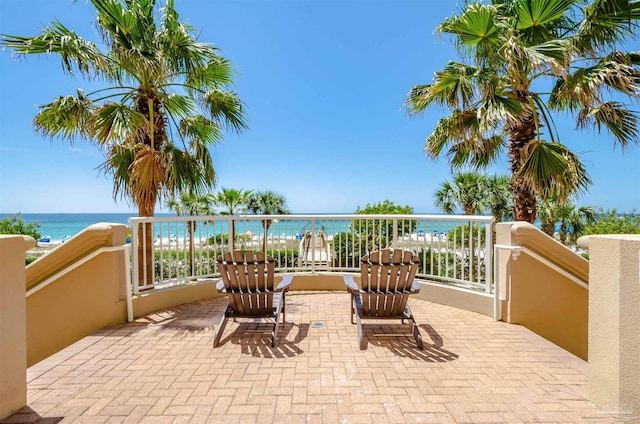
pixel 162 369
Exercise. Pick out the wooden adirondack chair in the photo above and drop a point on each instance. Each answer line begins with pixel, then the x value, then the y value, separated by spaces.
pixel 248 281
pixel 386 281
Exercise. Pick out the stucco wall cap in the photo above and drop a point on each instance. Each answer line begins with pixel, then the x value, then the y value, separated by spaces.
pixel 28 241
pixel 583 242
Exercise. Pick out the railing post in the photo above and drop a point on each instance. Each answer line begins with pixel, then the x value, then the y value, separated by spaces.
pixel 515 251
pixel 127 282
pixel 313 245
pixel 133 223
pixel 488 277
pixel 395 232
pixel 231 234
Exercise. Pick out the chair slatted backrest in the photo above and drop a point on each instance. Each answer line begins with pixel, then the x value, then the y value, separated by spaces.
pixel 386 277
pixel 249 281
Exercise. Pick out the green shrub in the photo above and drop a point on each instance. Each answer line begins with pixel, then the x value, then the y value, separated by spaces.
pixel 461 232
pixel 610 222
pixel 380 231
pixel 348 249
pixel 284 258
pixel 176 264
pixel 218 240
pixel 16 225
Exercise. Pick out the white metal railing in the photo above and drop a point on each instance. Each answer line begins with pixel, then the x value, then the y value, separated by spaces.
pixel 168 251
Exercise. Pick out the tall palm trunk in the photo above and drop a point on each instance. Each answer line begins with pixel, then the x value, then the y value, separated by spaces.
pixel 548 227
pixel 149 105
pixel 563 232
pixel 524 196
pixel 145 247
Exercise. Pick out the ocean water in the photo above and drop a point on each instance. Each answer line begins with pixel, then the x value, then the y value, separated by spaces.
pixel 59 226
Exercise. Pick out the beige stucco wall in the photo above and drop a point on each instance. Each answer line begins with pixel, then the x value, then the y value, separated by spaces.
pixel 13 326
pixel 614 324
pixel 539 297
pixel 431 292
pixel 83 298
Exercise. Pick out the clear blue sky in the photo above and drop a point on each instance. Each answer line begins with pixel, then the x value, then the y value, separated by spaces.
pixel 323 83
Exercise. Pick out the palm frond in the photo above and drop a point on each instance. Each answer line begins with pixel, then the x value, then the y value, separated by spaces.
pixel 583 87
pixel 113 122
pixel 477 153
pixel 66 117
pixel 200 130
pixel 181 49
pixel 552 54
pixel 498 103
pixel 119 160
pixel 418 99
pixel 226 108
pixel 539 13
pixel 538 20
pixel 215 73
pixel 453 87
pixel 177 105
pixel 186 173
pixel 620 121
pixel 475 28
pixel 128 27
pixel 459 125
pixel 149 174
pixel 607 22
pixel 552 169
pixel 76 53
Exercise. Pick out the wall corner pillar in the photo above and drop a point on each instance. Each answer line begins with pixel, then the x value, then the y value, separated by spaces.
pixel 13 324
pixel 614 317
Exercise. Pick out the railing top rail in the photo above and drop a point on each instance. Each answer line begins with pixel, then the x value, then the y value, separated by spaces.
pixel 477 218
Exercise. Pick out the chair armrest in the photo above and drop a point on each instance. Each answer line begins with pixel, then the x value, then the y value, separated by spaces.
pixel 415 287
pixel 285 283
pixel 350 282
pixel 220 286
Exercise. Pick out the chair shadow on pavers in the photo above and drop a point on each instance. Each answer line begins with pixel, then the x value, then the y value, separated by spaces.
pixel 253 339
pixel 386 282
pixel 248 280
pixel 28 415
pixel 406 348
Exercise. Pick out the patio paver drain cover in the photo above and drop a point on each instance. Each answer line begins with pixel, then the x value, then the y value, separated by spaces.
pixel 317 324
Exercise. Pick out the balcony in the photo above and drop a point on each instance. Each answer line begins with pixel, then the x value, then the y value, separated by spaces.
pixel 88 364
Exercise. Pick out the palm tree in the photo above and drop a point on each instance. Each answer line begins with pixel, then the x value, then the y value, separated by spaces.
pixel 548 213
pixel 573 220
pixel 499 95
pixel 267 203
pixel 190 204
pixel 498 197
pixel 233 201
pixel 165 100
pixel 467 191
